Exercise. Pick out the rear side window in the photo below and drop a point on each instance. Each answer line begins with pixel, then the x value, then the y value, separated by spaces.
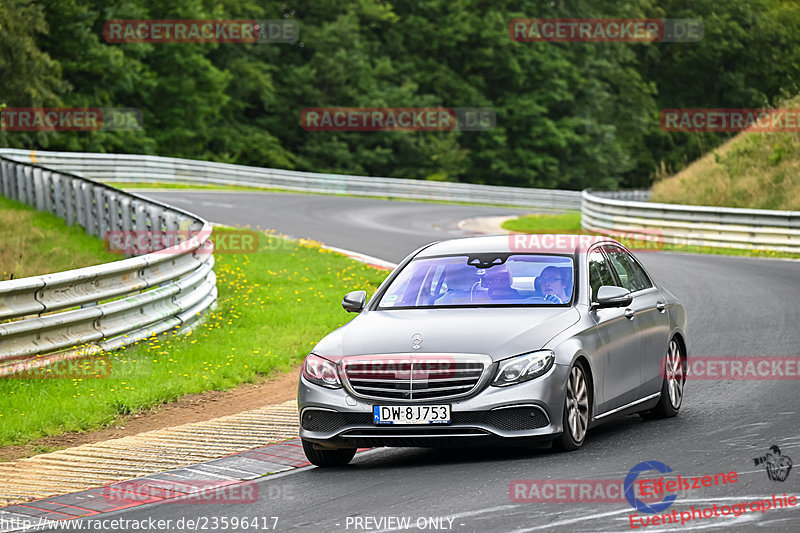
pixel 599 274
pixel 630 274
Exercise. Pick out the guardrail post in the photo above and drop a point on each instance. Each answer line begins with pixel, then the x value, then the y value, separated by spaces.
pixel 83 204
pixel 30 196
pixel 18 187
pixel 69 201
pixel 6 170
pixel 38 189
pixel 47 192
pixel 100 215
pixel 112 218
pixel 125 214
pixel 60 208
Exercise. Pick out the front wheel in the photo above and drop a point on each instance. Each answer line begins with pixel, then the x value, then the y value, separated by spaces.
pixel 672 388
pixel 575 419
pixel 331 457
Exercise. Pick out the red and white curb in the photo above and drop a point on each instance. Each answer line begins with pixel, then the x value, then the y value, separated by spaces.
pixel 229 478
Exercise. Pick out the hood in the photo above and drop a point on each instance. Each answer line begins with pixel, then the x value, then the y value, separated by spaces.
pixel 497 332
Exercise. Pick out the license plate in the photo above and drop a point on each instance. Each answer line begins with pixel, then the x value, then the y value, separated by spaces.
pixel 411 414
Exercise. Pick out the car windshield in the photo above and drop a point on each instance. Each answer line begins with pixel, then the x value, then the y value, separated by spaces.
pixel 482 280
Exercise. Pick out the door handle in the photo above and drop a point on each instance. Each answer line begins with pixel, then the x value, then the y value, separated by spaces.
pixel 630 313
pixel 661 306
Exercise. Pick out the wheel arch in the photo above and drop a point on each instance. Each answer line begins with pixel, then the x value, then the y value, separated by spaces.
pixel 585 361
pixel 680 336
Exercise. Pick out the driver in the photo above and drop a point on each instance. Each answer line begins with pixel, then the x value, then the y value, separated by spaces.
pixel 554 287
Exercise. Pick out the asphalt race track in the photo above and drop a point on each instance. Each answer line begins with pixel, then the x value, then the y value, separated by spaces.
pixel 736 307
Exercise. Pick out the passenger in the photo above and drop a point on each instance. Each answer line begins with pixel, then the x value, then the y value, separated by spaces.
pixel 498 281
pixel 460 279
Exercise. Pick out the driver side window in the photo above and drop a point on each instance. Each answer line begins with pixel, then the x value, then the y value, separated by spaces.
pixel 599 273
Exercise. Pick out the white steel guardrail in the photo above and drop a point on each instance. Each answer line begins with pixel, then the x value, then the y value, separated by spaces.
pixel 145 168
pixel 721 227
pixel 72 314
pixel 129 300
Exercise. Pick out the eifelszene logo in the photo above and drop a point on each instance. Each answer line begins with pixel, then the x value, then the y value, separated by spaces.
pixel 778 466
pixel 630 495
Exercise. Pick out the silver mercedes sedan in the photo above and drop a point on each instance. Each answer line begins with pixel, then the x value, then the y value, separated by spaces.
pixel 495 340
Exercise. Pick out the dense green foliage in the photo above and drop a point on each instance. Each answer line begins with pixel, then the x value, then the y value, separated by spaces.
pixel 569 115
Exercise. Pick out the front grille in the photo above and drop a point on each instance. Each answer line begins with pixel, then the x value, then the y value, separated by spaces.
pixel 507 419
pixel 440 431
pixel 414 437
pixel 413 377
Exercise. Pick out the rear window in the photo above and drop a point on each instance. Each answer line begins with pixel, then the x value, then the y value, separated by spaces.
pixel 482 280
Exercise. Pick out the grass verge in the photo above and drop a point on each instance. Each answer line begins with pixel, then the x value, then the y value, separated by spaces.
pixel 755 170
pixel 215 187
pixel 35 243
pixel 571 223
pixel 273 306
pixel 186 185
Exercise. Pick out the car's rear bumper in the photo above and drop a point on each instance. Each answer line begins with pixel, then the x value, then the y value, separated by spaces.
pixel 517 415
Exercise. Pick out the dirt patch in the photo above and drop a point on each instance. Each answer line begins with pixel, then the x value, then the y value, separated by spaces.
pixel 191 408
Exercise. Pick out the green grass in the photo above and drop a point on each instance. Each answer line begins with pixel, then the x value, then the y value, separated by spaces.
pixel 186 185
pixel 571 223
pixel 35 243
pixel 273 306
pixel 755 170
pixel 567 223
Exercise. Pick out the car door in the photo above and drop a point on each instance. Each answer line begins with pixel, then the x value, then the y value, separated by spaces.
pixel 649 316
pixel 619 342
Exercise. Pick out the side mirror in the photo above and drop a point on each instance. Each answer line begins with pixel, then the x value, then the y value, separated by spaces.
pixel 353 302
pixel 608 296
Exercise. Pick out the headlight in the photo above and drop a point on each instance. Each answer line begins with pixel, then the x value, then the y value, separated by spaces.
pixel 321 372
pixel 524 368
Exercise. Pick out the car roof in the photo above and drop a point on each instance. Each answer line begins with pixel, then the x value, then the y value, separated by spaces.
pixel 550 243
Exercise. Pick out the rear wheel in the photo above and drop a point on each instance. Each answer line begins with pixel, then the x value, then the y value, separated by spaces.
pixel 328 457
pixel 672 388
pixel 575 419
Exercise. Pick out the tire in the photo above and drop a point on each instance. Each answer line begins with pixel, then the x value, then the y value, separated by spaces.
pixel 672 387
pixel 577 411
pixel 332 457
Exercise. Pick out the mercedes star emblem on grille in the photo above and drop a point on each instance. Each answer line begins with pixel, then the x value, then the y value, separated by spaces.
pixel 416 340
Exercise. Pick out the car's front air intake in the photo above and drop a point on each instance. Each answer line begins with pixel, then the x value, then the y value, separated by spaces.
pixel 414 377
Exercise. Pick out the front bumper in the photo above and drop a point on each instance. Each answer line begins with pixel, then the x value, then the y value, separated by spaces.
pixel 514 415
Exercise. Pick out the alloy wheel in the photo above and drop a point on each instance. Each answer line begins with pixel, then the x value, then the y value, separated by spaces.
pixel 577 404
pixel 675 374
